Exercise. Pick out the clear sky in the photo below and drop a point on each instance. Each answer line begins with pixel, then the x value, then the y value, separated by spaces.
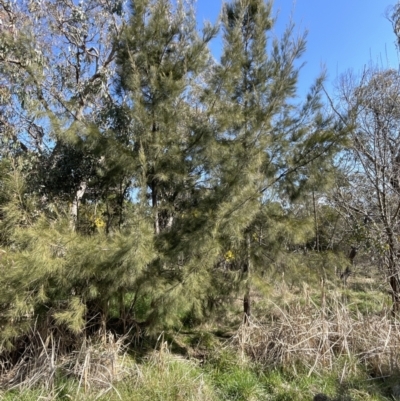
pixel 342 34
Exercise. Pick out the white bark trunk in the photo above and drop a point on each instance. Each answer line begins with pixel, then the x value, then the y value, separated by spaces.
pixel 75 204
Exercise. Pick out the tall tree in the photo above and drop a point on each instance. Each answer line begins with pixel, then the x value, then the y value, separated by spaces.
pixel 264 140
pixel 160 60
pixel 178 173
pixel 56 66
pixel 372 197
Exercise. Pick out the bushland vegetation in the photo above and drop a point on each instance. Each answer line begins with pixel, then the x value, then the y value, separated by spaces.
pixel 173 226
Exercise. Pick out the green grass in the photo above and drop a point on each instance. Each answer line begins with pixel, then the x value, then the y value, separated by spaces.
pixel 233 379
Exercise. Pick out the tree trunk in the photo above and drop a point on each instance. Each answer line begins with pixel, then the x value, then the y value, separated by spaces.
pixel 395 290
pixel 394 277
pixel 155 207
pixel 75 205
pixel 315 221
pixel 247 271
pixel 347 272
pixel 247 306
pixel 353 254
pixel 393 272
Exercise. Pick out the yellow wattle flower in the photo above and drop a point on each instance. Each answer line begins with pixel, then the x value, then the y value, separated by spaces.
pixel 229 256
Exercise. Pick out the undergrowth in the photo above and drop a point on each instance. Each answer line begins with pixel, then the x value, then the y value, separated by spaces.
pixel 305 344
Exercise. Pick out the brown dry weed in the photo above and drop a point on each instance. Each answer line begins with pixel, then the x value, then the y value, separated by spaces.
pixel 317 336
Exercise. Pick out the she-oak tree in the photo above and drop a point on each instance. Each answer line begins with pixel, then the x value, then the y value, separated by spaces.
pixel 216 139
pixel 189 152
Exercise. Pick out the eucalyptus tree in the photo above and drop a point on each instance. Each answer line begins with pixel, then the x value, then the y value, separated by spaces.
pixel 370 105
pixel 56 67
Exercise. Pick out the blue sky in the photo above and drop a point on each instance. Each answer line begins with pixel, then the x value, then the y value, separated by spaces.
pixel 342 34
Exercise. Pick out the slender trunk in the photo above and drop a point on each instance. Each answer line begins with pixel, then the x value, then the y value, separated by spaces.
pixel 315 222
pixel 247 305
pixel 122 311
pixel 170 221
pixel 353 254
pixel 347 272
pixel 103 320
pixel 120 202
pixel 155 207
pixel 395 290
pixel 153 183
pixel 394 277
pixel 247 271
pixel 75 205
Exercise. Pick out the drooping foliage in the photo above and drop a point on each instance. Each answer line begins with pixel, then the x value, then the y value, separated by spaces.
pixel 145 183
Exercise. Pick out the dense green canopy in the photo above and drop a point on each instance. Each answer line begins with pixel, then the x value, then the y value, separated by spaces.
pixel 144 183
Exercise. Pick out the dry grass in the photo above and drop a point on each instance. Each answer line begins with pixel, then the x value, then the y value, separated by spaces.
pixel 318 336
pixel 101 369
pixel 37 365
pixel 98 364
